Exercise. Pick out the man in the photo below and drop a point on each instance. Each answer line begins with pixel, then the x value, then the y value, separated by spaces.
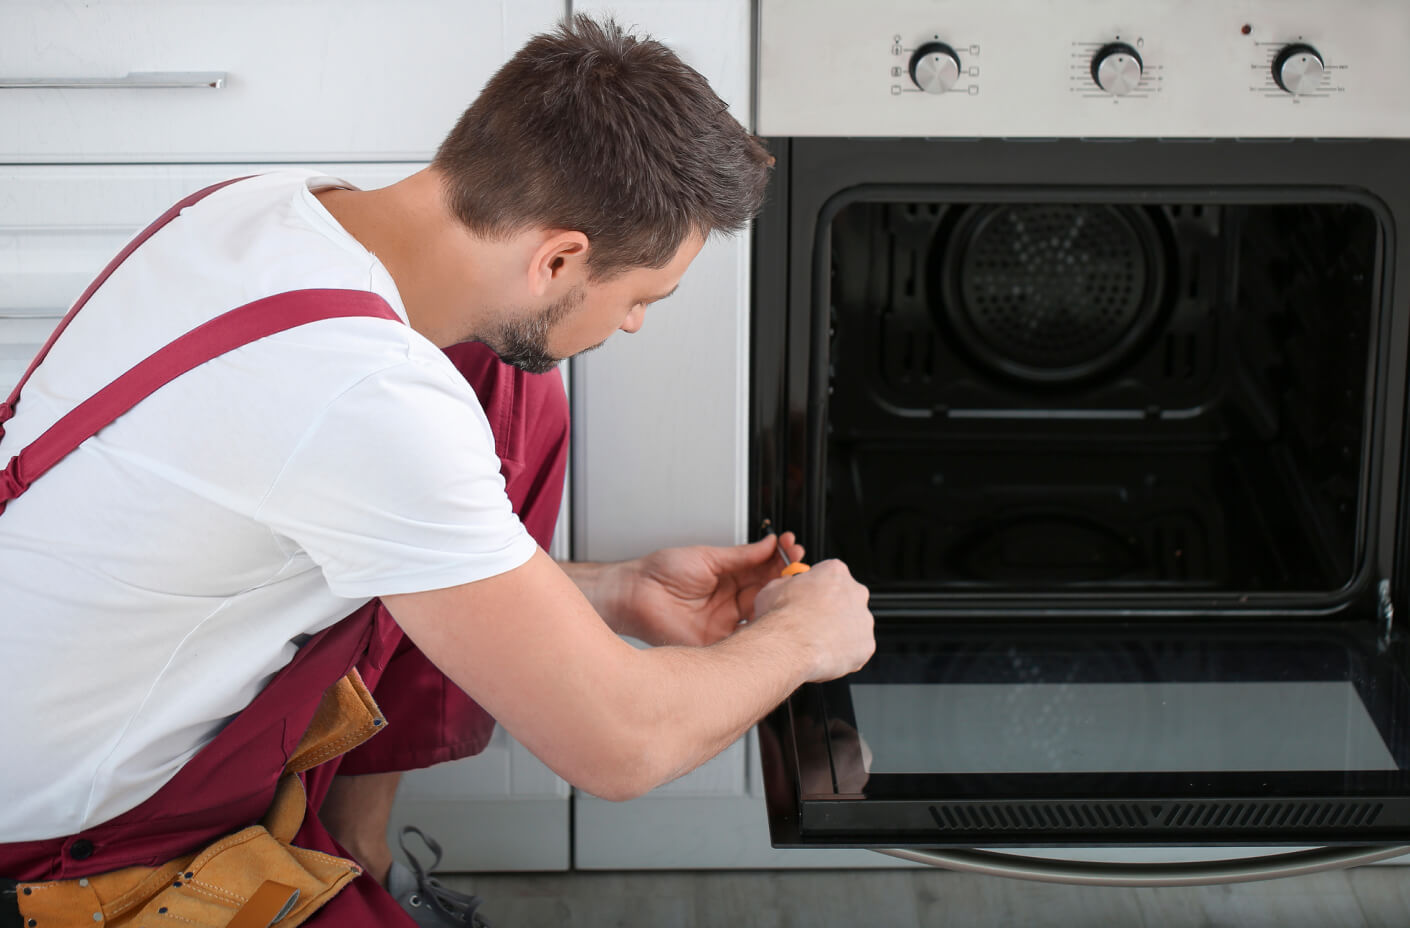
pixel 173 585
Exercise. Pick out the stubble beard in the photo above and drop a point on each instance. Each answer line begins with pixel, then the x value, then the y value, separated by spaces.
pixel 522 342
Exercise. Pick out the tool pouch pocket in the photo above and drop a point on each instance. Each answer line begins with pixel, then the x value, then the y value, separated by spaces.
pixel 250 879
pixel 253 878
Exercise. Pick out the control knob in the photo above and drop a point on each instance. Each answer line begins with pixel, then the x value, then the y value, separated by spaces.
pixel 1299 69
pixel 1117 68
pixel 935 67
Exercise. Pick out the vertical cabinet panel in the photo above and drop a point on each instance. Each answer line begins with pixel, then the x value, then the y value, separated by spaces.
pixel 661 458
pixel 661 450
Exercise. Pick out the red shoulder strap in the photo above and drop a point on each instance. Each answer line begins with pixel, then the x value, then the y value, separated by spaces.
pixel 230 330
pixel 7 408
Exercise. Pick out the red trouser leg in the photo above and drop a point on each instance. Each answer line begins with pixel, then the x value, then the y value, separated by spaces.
pixel 430 720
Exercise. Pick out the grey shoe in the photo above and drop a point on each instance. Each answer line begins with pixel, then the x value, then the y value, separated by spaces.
pixel 430 904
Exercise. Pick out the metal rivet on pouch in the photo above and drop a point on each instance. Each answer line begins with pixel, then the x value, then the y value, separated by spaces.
pixel 28 891
pixel 97 916
pixel 83 881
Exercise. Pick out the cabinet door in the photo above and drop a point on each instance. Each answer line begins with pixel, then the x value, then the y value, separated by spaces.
pixel 692 352
pixel 135 80
pixel 676 394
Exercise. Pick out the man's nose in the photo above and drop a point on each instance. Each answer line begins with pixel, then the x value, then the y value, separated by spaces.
pixel 632 324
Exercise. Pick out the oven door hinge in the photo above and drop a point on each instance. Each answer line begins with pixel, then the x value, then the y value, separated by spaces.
pixel 1386 609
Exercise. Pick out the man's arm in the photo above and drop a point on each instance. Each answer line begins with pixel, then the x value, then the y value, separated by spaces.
pixel 609 718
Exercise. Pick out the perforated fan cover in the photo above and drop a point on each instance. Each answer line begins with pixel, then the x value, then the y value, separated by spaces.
pixel 1051 291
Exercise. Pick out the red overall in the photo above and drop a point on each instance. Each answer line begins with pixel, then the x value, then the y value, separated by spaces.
pixel 230 783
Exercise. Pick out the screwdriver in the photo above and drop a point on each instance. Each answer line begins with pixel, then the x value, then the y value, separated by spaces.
pixel 790 568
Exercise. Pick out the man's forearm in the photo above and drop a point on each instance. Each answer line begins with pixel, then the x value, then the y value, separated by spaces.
pixel 607 585
pixel 706 698
pixel 734 682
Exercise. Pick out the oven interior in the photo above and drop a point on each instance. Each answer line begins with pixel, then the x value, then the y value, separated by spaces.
pixel 1047 393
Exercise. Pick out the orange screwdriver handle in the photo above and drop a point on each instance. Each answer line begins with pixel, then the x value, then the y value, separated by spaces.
pixel 797 567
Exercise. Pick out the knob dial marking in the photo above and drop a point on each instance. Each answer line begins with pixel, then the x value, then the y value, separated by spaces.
pixel 935 67
pixel 1117 68
pixel 1299 69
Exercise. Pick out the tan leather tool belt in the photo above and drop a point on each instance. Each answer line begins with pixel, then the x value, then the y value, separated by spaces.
pixel 250 879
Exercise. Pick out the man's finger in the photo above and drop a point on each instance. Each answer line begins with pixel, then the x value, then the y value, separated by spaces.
pixel 751 554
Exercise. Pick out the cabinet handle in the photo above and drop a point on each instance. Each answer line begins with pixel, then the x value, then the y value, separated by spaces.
pixel 137 80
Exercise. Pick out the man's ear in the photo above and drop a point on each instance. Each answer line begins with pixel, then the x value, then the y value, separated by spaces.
pixel 560 259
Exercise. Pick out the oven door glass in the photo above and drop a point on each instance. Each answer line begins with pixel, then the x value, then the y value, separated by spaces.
pixel 1097 733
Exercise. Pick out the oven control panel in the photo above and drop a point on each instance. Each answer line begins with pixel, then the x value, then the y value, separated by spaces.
pixel 1083 68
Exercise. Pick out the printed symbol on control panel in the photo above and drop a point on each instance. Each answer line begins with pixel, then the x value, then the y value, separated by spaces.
pixel 895 90
pixel 974 90
pixel 974 49
pixel 896 39
pixel 974 71
pixel 896 50
pixel 896 72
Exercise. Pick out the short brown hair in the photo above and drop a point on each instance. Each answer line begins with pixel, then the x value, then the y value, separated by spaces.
pixel 592 129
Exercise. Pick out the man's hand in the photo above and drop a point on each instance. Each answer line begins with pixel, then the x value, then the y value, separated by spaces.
pixel 825 611
pixel 698 595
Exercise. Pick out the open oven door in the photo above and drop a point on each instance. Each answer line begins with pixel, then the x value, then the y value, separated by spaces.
pixel 1100 734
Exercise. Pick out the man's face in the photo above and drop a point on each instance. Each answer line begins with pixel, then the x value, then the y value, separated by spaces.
pixel 587 315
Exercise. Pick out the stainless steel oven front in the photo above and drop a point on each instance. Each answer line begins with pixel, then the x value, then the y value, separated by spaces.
pixel 1080 333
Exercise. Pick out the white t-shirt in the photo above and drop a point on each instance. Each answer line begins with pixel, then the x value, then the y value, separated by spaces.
pixel 154 580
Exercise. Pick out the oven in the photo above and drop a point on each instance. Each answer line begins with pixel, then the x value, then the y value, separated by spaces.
pixel 1080 333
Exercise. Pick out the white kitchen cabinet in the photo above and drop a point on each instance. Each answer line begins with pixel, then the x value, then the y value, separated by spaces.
pixel 361 89
pixel 308 81
pixel 661 457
